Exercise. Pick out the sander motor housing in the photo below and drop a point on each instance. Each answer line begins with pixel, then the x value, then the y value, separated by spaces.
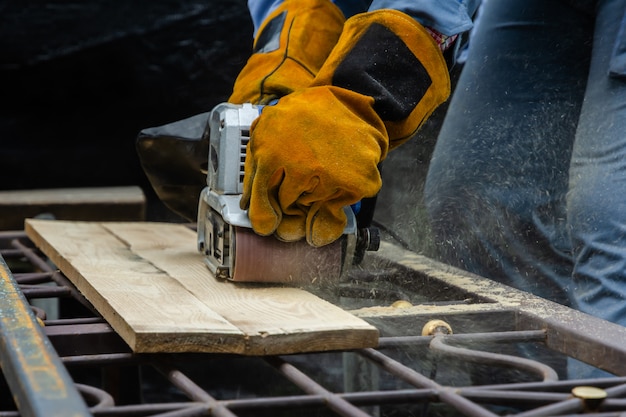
pixel 223 227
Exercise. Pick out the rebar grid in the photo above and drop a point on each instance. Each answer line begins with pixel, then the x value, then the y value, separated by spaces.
pixel 87 348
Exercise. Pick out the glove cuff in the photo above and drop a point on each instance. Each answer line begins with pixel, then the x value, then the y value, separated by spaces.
pixel 291 46
pixel 391 59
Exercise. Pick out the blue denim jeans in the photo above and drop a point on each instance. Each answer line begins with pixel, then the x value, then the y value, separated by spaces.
pixel 527 183
pixel 447 16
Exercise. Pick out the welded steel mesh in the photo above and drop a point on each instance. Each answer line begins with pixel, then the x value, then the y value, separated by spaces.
pixel 496 368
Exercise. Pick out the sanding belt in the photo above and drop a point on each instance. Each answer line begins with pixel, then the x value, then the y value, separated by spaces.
pixel 267 259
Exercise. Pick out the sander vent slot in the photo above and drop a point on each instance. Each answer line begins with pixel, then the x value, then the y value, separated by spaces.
pixel 245 138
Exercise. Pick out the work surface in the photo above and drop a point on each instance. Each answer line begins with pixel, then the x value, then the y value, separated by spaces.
pixel 150 283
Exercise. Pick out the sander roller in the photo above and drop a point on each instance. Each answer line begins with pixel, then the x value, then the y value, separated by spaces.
pixel 231 249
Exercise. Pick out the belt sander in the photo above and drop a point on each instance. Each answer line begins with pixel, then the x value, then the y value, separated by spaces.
pixel 231 249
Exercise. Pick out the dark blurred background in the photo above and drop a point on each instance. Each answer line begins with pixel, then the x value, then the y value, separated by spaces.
pixel 80 79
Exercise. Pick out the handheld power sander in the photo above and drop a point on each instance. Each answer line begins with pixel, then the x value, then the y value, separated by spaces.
pixel 231 249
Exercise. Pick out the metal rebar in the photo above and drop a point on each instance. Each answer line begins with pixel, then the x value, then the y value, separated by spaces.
pixel 365 398
pixel 101 359
pixel 568 406
pixel 92 394
pixel 332 400
pixel 37 378
pixel 56 276
pixel 414 378
pixel 195 393
pixel 77 320
pixel 85 343
pixel 42 291
pixel 11 253
pixel 151 409
pixel 496 359
pixel 466 338
pixel 191 411
pixel 33 277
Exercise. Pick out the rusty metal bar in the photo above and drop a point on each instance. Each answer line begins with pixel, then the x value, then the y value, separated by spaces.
pixel 438 344
pixel 469 338
pixel 367 398
pixel 101 359
pixel 100 397
pixel 196 393
pixel 448 396
pixel 33 277
pixel 192 411
pixel 333 401
pixel 12 234
pixel 143 409
pixel 298 402
pixel 84 339
pixel 38 291
pixel 37 378
pixel 89 343
pixel 571 404
pixel 55 275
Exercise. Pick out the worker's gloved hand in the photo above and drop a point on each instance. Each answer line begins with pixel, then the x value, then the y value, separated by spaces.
pixel 290 48
pixel 317 150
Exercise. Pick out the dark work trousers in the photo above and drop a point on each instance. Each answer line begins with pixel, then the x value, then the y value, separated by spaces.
pixel 527 184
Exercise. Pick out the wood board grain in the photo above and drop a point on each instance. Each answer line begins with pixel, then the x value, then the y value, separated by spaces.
pixel 150 283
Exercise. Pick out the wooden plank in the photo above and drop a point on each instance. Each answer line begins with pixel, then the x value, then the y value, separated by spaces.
pixel 151 284
pixel 96 203
pixel 129 291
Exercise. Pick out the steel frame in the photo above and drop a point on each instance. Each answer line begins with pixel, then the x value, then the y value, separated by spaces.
pixel 39 363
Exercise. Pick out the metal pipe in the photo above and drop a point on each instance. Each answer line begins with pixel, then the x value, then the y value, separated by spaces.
pixel 466 338
pixel 89 342
pixel 56 276
pixel 333 401
pixel 11 253
pixel 37 378
pixel 37 291
pixel 496 359
pixel 194 411
pixel 142 409
pixel 448 396
pixel 77 320
pixel 99 359
pixel 33 277
pixel 101 398
pixel 196 393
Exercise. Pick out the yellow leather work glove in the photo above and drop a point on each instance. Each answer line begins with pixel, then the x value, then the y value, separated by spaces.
pixel 290 48
pixel 317 150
